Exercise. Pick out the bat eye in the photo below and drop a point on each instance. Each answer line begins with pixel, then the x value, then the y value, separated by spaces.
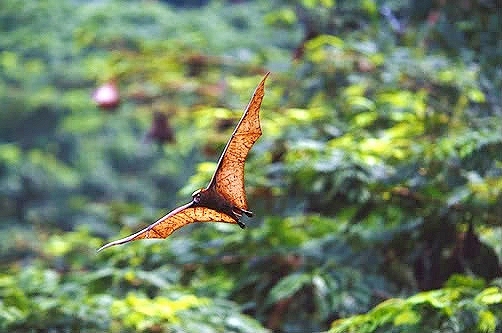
pixel 196 196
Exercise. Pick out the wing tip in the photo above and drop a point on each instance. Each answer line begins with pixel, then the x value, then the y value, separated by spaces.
pixel 117 242
pixel 265 77
pixel 104 247
pixel 260 88
pixel 107 245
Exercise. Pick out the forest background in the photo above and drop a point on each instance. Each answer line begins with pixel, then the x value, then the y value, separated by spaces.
pixel 376 186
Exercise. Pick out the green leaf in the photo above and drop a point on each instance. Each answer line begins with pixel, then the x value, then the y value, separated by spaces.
pixel 288 286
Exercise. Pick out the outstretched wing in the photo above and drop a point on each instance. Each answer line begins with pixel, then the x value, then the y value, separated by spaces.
pixel 229 175
pixel 176 219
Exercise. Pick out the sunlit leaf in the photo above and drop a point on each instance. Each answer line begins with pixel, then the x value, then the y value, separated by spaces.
pixel 408 317
pixel 491 295
pixel 487 322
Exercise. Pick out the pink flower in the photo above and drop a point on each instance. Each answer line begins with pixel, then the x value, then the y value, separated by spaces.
pixel 107 96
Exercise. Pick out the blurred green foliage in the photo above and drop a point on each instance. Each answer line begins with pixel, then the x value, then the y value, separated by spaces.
pixel 376 187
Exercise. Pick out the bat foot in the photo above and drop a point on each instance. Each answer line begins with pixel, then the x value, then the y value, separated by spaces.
pixel 241 224
pixel 238 212
pixel 248 213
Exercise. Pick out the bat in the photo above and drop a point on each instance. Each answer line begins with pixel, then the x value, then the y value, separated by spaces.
pixel 224 199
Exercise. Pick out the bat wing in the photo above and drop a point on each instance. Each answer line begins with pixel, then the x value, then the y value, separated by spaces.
pixel 176 219
pixel 228 178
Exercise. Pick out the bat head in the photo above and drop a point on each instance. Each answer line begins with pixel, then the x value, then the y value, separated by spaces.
pixel 196 196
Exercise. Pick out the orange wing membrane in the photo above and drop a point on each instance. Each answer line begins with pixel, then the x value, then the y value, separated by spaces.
pixel 176 219
pixel 229 175
pixel 224 199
